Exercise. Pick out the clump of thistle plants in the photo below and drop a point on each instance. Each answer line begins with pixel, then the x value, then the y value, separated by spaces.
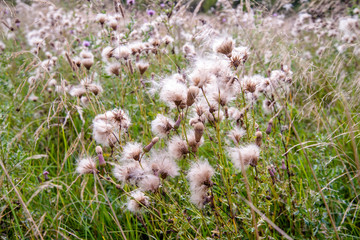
pixel 134 120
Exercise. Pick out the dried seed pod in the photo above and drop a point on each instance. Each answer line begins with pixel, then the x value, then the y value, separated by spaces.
pixel 258 140
pixel 191 95
pixel 178 122
pixel 271 172
pixel 268 129
pixel 199 131
pixel 151 144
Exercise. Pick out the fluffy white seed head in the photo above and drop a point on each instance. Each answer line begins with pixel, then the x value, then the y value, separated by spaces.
pixel 113 69
pixel 77 91
pixel 137 201
pixel 149 182
pixel 244 156
pixel 128 173
pixel 162 165
pixel 177 147
pixel 200 174
pixel 107 53
pixel 122 52
pixel 86 166
pixel 132 151
pixel 236 134
pixel 224 46
pixel 101 18
pixel 161 125
pixel 104 132
pixel 174 94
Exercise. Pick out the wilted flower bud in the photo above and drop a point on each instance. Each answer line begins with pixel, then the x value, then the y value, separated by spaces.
pixel 273 169
pixel 258 140
pixel 268 129
pixel 46 173
pixel 99 152
pixel 151 144
pixel 199 131
pixel 271 172
pixel 178 121
pixel 191 95
pixel 283 166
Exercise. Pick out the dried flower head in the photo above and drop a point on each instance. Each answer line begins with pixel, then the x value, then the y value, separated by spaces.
pixel 258 139
pixel 77 91
pixel 201 77
pixel 249 84
pixel 268 106
pixel 239 57
pixel 192 141
pixel 87 62
pixel 142 66
pixel 114 69
pixel 91 86
pixel 189 51
pixel 33 98
pixel 167 40
pixel 224 46
pixel 199 131
pixel 113 24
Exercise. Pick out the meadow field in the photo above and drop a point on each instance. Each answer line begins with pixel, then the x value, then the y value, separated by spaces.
pixel 179 119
